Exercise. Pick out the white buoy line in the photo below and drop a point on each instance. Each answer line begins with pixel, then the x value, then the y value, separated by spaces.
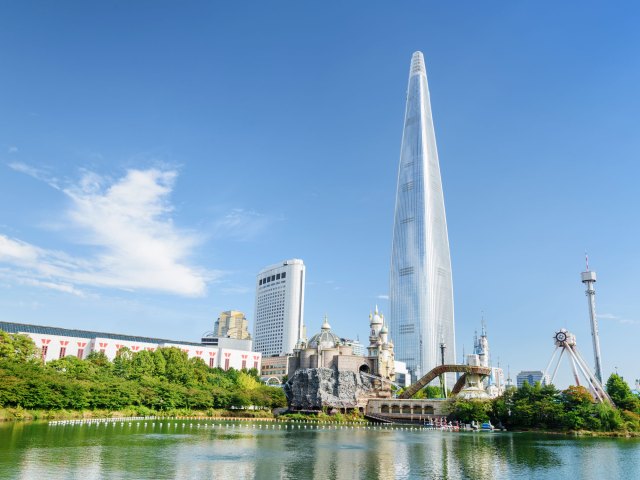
pixel 220 423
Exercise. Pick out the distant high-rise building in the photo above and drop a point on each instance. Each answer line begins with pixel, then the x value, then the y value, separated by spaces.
pixel 357 347
pixel 279 308
pixel 531 377
pixel 232 324
pixel 420 287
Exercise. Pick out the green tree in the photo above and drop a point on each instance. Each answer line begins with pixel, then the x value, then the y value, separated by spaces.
pixel 609 417
pixel 17 347
pixel 101 361
pixel 621 394
pixel 177 367
pixel 143 365
pixel 122 363
pixel 467 411
pixel 159 362
pixel 73 367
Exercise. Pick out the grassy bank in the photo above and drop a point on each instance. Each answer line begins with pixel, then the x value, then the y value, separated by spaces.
pixel 583 433
pixel 352 417
pixel 22 414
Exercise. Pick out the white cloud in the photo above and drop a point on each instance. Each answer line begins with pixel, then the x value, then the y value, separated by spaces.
pixel 35 173
pixel 127 223
pixel 383 296
pixel 60 287
pixel 242 224
pixel 12 149
pixel 616 318
pixel 15 251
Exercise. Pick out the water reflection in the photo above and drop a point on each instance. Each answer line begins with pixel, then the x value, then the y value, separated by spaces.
pixel 180 449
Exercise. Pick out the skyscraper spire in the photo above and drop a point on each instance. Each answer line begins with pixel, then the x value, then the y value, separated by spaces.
pixel 420 290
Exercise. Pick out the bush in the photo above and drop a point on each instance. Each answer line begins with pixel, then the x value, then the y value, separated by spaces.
pixel 144 382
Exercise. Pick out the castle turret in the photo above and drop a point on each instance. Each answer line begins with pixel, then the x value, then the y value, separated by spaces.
pixel 376 322
pixel 483 346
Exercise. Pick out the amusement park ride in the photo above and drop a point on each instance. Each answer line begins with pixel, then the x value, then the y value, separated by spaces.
pixel 565 341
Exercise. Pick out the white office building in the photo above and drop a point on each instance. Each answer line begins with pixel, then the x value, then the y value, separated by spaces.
pixel 279 318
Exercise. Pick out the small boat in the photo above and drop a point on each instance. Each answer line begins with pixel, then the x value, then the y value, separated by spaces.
pixel 486 427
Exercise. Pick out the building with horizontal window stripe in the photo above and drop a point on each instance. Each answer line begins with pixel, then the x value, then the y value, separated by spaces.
pixel 55 343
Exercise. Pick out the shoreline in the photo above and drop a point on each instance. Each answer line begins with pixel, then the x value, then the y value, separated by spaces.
pixel 582 433
pixel 18 415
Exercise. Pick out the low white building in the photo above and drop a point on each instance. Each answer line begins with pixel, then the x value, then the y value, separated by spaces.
pixel 56 343
pixel 403 376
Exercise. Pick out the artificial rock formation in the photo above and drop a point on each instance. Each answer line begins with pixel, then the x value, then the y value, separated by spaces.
pixel 314 388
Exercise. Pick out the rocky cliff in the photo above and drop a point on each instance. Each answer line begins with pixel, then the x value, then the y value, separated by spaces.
pixel 314 388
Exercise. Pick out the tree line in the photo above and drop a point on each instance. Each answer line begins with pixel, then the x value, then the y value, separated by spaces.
pixel 545 407
pixel 162 380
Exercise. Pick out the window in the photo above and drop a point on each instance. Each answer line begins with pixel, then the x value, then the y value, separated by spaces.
pixel 102 350
pixel 212 362
pixel 284 274
pixel 278 276
pixel 244 363
pixel 407 328
pixel 255 364
pixel 273 277
pixel 44 351
pixel 260 283
pixel 80 353
pixel 226 364
pixel 63 352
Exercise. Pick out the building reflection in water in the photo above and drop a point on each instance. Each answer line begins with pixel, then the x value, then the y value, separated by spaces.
pixel 181 450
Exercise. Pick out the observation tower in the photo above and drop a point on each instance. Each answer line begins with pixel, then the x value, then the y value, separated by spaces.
pixel 589 279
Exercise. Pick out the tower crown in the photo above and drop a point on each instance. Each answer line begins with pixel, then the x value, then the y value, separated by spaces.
pixel 588 276
pixel 417 65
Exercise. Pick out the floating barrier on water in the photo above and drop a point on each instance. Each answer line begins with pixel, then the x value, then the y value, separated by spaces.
pixel 238 424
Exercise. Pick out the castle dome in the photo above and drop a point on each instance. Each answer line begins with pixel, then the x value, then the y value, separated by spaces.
pixel 326 338
pixel 376 318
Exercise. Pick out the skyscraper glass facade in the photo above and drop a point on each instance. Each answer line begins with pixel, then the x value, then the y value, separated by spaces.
pixel 420 290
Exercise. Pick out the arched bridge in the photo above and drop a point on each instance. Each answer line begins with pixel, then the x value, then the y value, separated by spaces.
pixel 439 370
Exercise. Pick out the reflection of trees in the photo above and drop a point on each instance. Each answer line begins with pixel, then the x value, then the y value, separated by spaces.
pixel 39 451
pixel 483 455
pixel 526 450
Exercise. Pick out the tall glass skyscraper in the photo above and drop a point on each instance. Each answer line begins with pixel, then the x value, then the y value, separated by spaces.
pixel 420 290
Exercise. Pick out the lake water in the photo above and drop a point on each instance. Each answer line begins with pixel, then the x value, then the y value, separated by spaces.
pixel 193 449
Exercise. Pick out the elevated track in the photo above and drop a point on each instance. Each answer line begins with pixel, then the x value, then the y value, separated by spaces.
pixel 440 370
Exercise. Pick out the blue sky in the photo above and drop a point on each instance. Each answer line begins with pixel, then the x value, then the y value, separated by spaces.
pixel 154 156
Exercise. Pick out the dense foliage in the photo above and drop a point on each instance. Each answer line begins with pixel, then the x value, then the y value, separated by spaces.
pixel 546 407
pixel 161 380
pixel 430 391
